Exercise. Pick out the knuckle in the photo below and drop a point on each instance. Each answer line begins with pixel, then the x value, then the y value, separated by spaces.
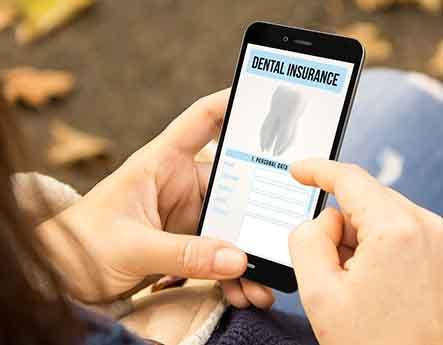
pixel 343 183
pixel 356 169
pixel 203 105
pixel 189 258
pixel 141 162
pixel 406 229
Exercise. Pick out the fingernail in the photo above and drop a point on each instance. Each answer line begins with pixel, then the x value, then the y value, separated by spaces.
pixel 229 261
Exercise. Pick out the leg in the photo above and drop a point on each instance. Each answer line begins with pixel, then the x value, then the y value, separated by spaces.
pixel 395 132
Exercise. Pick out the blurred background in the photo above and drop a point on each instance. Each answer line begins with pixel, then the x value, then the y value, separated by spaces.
pixel 120 71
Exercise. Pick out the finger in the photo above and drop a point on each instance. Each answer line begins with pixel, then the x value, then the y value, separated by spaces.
pixel 194 256
pixel 349 263
pixel 260 296
pixel 203 172
pixel 349 237
pixel 345 253
pixel 313 248
pixel 359 195
pixel 234 293
pixel 198 124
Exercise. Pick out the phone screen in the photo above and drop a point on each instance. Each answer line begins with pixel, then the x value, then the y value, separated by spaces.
pixel 287 107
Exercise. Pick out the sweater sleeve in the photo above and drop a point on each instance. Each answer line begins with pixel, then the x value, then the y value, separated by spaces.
pixel 41 197
pixel 104 331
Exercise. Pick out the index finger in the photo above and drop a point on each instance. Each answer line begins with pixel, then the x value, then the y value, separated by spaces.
pixel 198 124
pixel 360 196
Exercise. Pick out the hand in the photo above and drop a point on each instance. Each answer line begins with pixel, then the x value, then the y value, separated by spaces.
pixel 141 220
pixel 370 274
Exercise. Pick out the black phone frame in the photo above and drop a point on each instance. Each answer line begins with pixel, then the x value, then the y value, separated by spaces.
pixel 270 273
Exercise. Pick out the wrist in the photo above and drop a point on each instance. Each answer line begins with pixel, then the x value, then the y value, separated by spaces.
pixel 67 255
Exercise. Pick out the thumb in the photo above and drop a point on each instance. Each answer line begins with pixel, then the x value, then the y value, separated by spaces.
pixel 313 248
pixel 196 257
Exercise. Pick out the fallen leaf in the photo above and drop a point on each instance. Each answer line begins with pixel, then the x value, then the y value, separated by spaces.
pixel 436 62
pixel 42 16
pixel 431 6
pixel 8 14
pixel 374 5
pixel 69 145
pixel 35 87
pixel 377 48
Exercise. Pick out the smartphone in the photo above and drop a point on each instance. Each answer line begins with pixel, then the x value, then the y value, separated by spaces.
pixel 290 99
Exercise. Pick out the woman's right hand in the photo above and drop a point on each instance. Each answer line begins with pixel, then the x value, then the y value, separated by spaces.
pixel 373 272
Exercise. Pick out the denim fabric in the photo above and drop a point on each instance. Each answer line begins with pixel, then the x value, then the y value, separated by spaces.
pixel 394 132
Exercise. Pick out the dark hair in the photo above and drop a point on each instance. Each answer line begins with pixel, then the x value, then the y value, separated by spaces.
pixel 33 307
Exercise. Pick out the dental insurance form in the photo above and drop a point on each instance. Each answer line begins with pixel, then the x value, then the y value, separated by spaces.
pixel 287 107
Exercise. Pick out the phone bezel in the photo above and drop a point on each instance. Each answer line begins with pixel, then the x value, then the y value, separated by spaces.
pixel 325 45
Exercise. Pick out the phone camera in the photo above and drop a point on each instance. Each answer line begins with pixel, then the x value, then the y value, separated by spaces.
pixel 285 39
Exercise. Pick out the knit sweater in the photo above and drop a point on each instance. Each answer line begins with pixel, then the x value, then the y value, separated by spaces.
pixel 236 327
pixel 258 327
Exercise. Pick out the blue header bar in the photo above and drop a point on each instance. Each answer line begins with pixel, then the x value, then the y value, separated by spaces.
pixel 246 157
pixel 297 70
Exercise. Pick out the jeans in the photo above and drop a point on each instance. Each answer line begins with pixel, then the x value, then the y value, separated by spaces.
pixel 395 132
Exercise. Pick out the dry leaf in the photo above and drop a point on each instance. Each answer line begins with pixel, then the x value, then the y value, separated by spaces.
pixel 35 87
pixel 436 62
pixel 42 16
pixel 377 48
pixel 431 6
pixel 373 5
pixel 8 14
pixel 70 145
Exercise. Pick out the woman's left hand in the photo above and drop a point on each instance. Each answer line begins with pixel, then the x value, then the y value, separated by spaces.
pixel 141 220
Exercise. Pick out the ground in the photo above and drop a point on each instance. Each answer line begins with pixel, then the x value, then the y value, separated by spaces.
pixel 140 63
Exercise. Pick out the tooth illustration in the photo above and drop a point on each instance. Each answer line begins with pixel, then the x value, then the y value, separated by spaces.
pixel 279 128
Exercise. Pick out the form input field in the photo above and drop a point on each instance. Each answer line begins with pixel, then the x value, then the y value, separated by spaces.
pixel 278 177
pixel 268 201
pixel 278 199
pixel 272 216
pixel 275 185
